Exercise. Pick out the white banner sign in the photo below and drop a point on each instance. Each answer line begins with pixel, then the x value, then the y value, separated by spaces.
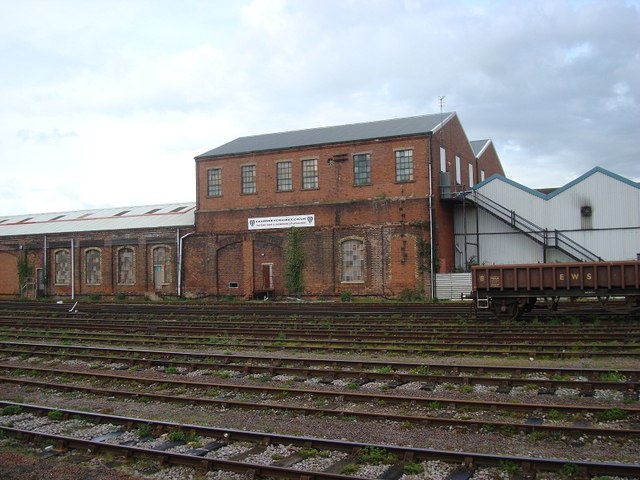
pixel 282 222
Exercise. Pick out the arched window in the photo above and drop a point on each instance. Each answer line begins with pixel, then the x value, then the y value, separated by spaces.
pixel 61 267
pixel 352 254
pixel 161 267
pixel 92 270
pixel 126 266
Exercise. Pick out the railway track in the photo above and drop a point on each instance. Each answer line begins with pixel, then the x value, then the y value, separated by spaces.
pixel 394 373
pixel 205 448
pixel 361 368
pixel 401 406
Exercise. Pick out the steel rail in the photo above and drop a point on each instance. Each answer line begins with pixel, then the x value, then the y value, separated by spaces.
pixel 331 368
pixel 562 350
pixel 294 331
pixel 426 420
pixel 471 460
pixel 425 401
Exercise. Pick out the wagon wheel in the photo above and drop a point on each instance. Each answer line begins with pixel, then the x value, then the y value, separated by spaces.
pixel 632 303
pixel 506 310
pixel 552 302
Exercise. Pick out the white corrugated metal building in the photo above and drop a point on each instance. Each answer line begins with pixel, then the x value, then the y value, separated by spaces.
pixel 596 216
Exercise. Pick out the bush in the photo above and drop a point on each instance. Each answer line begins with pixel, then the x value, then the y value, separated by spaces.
pixel 345 296
pixel 55 415
pixel 12 410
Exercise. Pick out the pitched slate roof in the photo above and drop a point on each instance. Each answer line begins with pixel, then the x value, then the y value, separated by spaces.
pixel 121 218
pixel 479 146
pixel 397 127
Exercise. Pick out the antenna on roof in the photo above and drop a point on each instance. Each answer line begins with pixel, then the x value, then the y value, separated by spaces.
pixel 441 100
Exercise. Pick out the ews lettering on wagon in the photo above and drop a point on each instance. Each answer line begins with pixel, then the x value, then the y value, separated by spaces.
pixel 575 276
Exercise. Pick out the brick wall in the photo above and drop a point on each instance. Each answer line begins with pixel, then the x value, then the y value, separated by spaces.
pixel 107 244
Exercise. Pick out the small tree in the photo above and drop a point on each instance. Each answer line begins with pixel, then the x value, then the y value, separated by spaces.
pixel 294 262
pixel 24 269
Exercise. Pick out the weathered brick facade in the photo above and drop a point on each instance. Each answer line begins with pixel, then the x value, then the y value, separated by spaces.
pixel 105 282
pixel 372 194
pixel 390 217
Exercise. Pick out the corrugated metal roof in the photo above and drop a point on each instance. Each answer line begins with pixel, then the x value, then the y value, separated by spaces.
pixel 479 146
pixel 121 218
pixel 336 134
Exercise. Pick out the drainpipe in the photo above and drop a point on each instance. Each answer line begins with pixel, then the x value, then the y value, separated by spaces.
pixel 431 243
pixel 73 273
pixel 180 243
pixel 44 267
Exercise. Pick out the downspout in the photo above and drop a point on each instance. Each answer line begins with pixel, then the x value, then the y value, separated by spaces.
pixel 431 243
pixel 73 273
pixel 180 246
pixel 45 275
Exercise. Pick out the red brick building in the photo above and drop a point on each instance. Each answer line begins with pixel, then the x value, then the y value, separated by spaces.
pixel 372 201
pixel 132 251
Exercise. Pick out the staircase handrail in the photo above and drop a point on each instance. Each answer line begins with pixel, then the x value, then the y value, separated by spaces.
pixel 562 241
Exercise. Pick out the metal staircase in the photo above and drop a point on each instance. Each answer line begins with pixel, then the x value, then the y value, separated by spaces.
pixel 546 238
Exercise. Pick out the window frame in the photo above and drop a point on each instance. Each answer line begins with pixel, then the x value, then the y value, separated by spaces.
pixel 92 278
pixel 362 177
pixel 166 265
pixel 443 159
pixel 214 185
pixel 284 176
pixel 348 273
pixel 310 181
pixel 401 165
pixel 119 252
pixel 56 267
pixel 248 185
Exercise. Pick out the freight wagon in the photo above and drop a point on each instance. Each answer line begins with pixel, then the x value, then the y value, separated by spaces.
pixel 511 290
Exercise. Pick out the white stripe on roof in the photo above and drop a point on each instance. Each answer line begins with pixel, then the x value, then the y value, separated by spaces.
pixel 120 218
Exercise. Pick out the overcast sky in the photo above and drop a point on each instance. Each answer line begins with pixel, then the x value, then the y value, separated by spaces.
pixel 105 102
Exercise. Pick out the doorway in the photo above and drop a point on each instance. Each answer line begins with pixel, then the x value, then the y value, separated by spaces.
pixel 267 276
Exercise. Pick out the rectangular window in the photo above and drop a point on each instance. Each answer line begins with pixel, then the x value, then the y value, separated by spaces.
pixel 352 261
pixel 362 169
pixel 482 175
pixel 284 180
pixel 92 267
pixel 62 267
pixel 458 172
pixel 443 160
pixel 214 182
pixel 471 175
pixel 248 173
pixel 404 165
pixel 309 174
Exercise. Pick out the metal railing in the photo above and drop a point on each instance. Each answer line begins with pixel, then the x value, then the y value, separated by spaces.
pixel 543 236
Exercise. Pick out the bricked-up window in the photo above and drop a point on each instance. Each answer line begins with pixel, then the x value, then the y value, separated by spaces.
pixel 284 179
pixel 404 165
pixel 214 182
pixel 161 266
pixel 248 173
pixel 92 271
pixel 362 169
pixel 61 267
pixel 352 260
pixel 126 266
pixel 310 174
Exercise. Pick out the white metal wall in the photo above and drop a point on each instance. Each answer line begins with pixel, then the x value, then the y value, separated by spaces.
pixel 612 231
pixel 451 286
